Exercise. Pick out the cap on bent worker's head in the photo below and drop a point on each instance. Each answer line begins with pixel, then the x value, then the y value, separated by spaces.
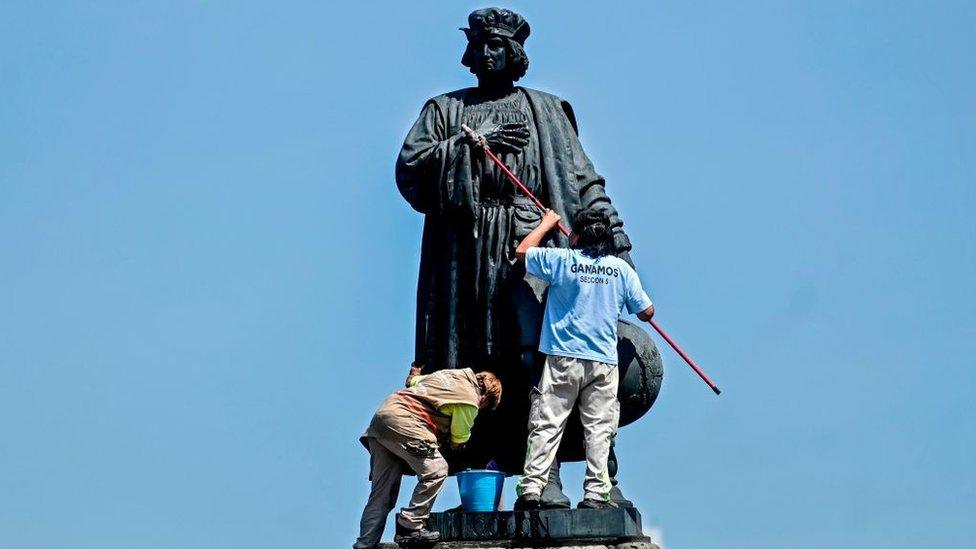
pixel 497 22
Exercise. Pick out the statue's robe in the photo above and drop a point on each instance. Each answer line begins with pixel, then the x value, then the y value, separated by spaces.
pixel 475 306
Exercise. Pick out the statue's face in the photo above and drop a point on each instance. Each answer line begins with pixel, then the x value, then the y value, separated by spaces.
pixel 490 56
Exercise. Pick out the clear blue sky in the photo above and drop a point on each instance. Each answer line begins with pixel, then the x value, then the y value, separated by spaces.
pixel 207 276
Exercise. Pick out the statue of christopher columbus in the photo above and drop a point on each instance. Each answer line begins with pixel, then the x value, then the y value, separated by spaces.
pixel 475 305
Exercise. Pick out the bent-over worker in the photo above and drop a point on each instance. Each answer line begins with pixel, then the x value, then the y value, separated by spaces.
pixel 406 432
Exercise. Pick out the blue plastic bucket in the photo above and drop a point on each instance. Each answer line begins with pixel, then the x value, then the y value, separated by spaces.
pixel 481 490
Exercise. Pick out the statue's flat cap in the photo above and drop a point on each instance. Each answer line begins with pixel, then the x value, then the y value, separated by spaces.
pixel 497 22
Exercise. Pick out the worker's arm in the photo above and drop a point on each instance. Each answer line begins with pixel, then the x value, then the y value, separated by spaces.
pixel 462 419
pixel 637 300
pixel 646 314
pixel 534 238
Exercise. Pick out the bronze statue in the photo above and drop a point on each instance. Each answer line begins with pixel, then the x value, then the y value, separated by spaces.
pixel 475 306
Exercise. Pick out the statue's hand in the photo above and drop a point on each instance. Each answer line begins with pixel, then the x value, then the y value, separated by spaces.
pixel 509 137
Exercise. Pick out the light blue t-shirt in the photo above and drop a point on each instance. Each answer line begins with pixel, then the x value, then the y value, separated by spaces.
pixel 586 297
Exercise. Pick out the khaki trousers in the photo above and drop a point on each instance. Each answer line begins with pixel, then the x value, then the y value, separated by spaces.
pixel 388 459
pixel 565 382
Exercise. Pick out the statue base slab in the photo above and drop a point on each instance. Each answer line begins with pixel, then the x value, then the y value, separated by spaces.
pixel 593 543
pixel 550 528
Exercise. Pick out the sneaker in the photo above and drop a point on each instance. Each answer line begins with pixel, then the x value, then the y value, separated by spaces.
pixel 596 504
pixel 527 502
pixel 406 536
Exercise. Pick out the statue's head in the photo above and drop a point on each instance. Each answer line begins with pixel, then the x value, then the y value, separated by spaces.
pixel 495 40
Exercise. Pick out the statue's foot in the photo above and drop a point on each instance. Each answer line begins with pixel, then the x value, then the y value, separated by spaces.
pixel 552 495
pixel 617 497
pixel 554 499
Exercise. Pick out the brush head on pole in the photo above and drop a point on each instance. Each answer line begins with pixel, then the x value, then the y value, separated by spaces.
pixel 478 139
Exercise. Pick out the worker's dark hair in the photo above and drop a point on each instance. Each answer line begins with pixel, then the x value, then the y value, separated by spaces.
pixel 490 388
pixel 593 235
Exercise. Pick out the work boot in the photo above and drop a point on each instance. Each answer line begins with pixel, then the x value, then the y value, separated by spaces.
pixel 553 496
pixel 527 502
pixel 406 536
pixel 596 504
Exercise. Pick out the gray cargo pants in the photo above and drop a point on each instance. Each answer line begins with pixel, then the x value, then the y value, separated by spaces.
pixel 566 381
pixel 386 464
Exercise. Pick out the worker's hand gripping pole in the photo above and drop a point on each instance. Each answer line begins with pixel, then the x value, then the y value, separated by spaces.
pixel 481 142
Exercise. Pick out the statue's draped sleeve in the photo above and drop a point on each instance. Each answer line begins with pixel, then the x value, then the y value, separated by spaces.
pixel 434 170
pixel 592 186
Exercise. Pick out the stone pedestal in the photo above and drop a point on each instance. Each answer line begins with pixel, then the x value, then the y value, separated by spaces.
pixel 641 543
pixel 562 528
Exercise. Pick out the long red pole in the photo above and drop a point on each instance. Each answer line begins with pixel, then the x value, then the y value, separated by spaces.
pixel 684 355
pixel 562 228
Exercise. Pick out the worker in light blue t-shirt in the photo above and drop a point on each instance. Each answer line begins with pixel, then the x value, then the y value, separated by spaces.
pixel 588 289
